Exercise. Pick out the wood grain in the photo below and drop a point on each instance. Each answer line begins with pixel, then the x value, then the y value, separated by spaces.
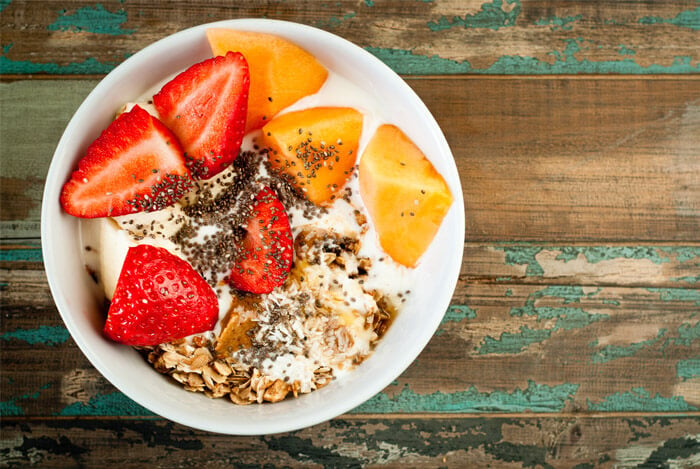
pixel 435 37
pixel 554 160
pixel 620 442
pixel 500 348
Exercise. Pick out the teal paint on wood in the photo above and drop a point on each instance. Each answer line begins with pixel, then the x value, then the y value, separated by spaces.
pixel 684 254
pixel 567 318
pixel 19 255
pixel 685 19
pixel 639 400
pixel 407 63
pixel 4 4
pixel 613 352
pixel 689 368
pixel 513 342
pixel 333 22
pixel 87 67
pixel 625 50
pixel 10 408
pixel 42 335
pixel 677 294
pixel 524 255
pixel 565 62
pixel 556 23
pixel 114 403
pixel 492 15
pixel 687 279
pixel 686 335
pixel 92 19
pixel 455 314
pixel 534 398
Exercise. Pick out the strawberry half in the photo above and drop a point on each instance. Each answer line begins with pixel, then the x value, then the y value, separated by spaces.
pixel 206 106
pixel 159 298
pixel 135 165
pixel 264 258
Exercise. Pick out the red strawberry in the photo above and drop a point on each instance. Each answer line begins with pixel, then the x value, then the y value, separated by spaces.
pixel 159 298
pixel 206 106
pixel 135 165
pixel 264 258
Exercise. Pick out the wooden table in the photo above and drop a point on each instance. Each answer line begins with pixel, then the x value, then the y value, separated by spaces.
pixel 573 338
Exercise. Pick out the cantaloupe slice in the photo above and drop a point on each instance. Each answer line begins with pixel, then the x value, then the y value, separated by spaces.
pixel 405 196
pixel 316 148
pixel 281 72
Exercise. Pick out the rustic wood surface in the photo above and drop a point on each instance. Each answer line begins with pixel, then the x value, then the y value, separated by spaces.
pixel 573 338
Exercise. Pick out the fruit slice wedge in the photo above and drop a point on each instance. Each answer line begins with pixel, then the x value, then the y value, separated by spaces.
pixel 205 106
pixel 135 165
pixel 159 298
pixel 405 196
pixel 281 72
pixel 316 148
pixel 264 258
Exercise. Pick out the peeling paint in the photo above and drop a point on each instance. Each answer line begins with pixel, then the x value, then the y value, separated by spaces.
pixel 455 314
pixel 114 403
pixel 638 400
pixel 625 50
pixel 513 342
pixel 407 63
pixel 491 15
pixel 687 369
pixel 524 255
pixel 534 398
pixel 44 335
pixel 567 318
pixel 595 254
pixel 686 335
pixel 88 66
pixel 677 294
pixel 333 22
pixel 685 19
pixel 19 255
pixel 92 19
pixel 613 352
pixel 557 23
pixel 10 408
pixel 4 4
pixel 565 62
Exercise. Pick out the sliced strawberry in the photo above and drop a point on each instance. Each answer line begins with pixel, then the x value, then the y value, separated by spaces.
pixel 159 298
pixel 264 258
pixel 135 165
pixel 205 106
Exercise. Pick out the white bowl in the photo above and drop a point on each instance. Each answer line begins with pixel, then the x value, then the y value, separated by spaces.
pixel 124 367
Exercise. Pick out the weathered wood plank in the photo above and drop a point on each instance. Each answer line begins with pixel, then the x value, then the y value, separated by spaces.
pixel 500 348
pixel 433 37
pixel 670 266
pixel 618 442
pixel 592 160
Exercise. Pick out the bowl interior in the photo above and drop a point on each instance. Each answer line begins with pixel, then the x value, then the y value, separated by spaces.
pixel 82 311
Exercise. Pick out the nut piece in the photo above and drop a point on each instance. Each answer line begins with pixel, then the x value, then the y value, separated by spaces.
pixel 277 391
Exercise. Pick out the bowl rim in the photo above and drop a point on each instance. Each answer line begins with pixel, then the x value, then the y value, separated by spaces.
pixel 326 412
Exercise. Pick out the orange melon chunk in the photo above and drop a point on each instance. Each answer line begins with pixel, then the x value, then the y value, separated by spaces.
pixel 316 148
pixel 405 196
pixel 281 72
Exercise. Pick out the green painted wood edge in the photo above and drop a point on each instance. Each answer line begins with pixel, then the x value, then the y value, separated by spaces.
pixel 354 443
pixel 94 19
pixel 526 254
pixel 516 253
